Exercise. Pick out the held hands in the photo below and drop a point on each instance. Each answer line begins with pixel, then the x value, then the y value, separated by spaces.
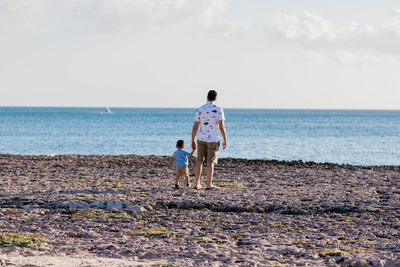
pixel 193 149
pixel 193 145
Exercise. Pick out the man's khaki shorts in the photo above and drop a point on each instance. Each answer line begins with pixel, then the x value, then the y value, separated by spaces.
pixel 207 152
pixel 182 171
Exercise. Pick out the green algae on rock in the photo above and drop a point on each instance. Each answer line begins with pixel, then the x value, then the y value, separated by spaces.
pixel 21 240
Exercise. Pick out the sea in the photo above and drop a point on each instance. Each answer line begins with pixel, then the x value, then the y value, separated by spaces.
pixel 356 137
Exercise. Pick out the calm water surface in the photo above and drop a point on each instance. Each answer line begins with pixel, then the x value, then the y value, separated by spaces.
pixel 340 136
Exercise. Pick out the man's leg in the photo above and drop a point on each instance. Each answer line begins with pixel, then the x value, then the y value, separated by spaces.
pixel 201 157
pixel 197 173
pixel 210 174
pixel 212 156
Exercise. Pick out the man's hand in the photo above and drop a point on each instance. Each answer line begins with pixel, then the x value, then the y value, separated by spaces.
pixel 193 145
pixel 221 125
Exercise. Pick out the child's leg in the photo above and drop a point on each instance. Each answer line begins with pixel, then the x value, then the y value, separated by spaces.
pixel 187 180
pixel 177 182
pixel 178 176
pixel 187 176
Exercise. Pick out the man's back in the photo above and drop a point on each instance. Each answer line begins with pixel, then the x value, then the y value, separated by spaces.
pixel 208 117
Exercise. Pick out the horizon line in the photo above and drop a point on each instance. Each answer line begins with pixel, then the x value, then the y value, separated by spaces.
pixel 226 107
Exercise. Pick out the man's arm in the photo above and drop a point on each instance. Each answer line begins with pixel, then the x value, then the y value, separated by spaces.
pixel 223 132
pixel 194 132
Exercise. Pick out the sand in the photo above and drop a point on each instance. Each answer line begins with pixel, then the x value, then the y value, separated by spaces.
pixel 123 211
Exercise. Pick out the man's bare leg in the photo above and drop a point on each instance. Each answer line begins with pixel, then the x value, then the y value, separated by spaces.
pixel 197 173
pixel 210 174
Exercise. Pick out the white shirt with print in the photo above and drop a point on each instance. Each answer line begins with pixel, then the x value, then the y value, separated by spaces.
pixel 208 116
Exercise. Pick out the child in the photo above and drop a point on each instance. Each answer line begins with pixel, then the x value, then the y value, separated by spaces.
pixel 182 163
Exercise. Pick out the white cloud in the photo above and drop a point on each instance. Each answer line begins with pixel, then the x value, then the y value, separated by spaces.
pixel 210 12
pixel 22 13
pixel 308 30
pixel 140 14
pixel 348 44
pixel 17 6
pixel 304 27
pixel 117 13
pixel 121 14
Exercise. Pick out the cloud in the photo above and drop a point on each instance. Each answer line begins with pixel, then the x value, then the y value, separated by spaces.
pixel 16 6
pixel 210 12
pixel 306 30
pixel 305 27
pixel 120 14
pixel 317 33
pixel 24 12
pixel 28 14
pixel 141 14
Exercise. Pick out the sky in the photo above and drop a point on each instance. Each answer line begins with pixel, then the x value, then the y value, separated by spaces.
pixel 298 54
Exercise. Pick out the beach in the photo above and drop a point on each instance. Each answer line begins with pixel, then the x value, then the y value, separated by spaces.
pixel 123 211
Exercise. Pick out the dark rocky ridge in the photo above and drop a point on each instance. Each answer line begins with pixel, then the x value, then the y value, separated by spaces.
pixel 264 212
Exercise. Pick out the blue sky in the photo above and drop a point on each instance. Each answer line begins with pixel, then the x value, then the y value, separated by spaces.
pixel 169 53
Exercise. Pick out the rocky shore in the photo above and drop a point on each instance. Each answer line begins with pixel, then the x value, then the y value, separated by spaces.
pixel 123 211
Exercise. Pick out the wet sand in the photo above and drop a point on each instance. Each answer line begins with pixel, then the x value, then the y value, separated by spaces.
pixel 124 209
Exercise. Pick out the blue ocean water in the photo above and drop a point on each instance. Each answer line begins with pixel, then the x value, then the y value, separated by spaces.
pixel 339 136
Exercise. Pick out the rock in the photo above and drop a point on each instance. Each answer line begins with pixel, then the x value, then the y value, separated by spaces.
pixel 391 263
pixel 359 263
pixel 186 204
pixel 71 205
pixel 377 263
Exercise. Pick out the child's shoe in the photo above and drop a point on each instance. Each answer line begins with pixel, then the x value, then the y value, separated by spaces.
pixel 176 186
pixel 187 184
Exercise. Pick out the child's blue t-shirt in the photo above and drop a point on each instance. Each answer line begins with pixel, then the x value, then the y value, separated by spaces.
pixel 181 158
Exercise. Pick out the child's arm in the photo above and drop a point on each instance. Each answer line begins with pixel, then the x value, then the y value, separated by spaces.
pixel 191 153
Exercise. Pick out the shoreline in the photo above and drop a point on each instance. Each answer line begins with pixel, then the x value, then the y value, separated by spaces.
pixel 264 212
pixel 298 162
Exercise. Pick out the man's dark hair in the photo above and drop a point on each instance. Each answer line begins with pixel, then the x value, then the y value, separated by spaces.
pixel 180 143
pixel 212 95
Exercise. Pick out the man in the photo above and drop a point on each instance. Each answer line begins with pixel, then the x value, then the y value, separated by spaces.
pixel 210 118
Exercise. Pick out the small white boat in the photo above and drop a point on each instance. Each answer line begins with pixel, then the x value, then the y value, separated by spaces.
pixel 106 111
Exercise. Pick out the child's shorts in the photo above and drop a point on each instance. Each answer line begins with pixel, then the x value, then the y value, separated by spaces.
pixel 182 171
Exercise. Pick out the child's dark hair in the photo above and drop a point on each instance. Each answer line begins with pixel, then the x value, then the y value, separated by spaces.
pixel 180 143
